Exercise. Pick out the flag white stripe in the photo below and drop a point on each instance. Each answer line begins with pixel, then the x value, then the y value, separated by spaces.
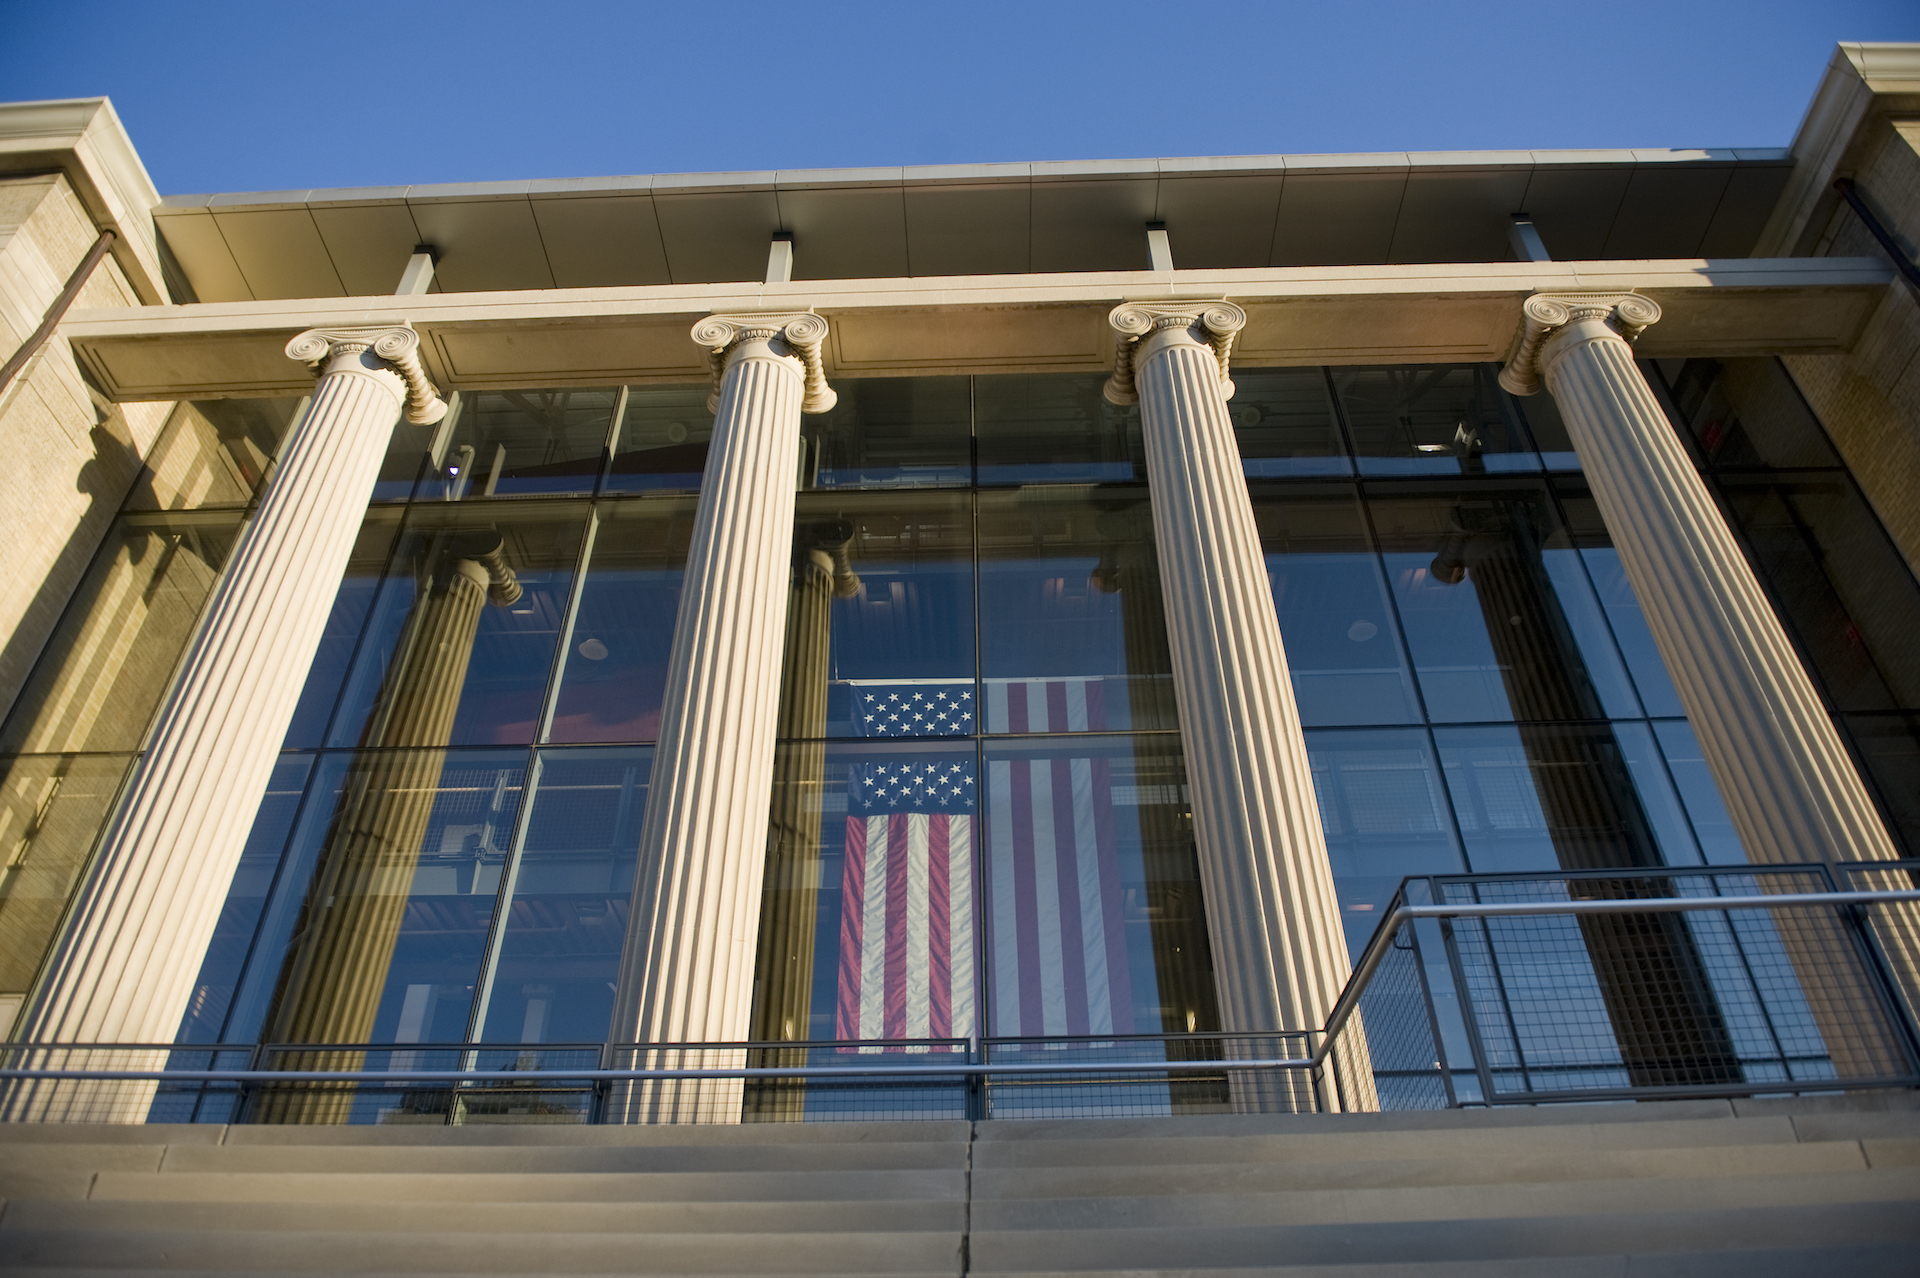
pixel 919 975
pixel 1006 925
pixel 1093 917
pixel 1046 882
pixel 960 931
pixel 997 707
pixel 1076 705
pixel 873 933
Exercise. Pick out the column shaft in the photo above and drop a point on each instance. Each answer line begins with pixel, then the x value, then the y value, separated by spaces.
pixel 126 968
pixel 1278 953
pixel 1789 784
pixel 687 974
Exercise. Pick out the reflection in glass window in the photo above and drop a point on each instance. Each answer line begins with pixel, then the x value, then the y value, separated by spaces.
pixel 1070 596
pixel 893 432
pixel 563 911
pixel 614 667
pixel 1054 428
pixel 1839 584
pixel 1745 414
pixel 867 914
pixel 1545 796
pixel 1092 909
pixel 1284 423
pixel 462 637
pixel 51 810
pixel 519 443
pixel 1385 816
pixel 1489 633
pixel 660 442
pixel 382 909
pixel 1342 644
pixel 1443 419
pixel 1889 746
pixel 213 453
pixel 106 666
pixel 1699 793
pixel 880 623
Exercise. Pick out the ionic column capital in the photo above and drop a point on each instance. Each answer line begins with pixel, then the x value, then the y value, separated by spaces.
pixel 1625 315
pixel 398 347
pixel 802 332
pixel 1205 323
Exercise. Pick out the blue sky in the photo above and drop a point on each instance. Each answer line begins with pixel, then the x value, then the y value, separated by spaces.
pixel 255 96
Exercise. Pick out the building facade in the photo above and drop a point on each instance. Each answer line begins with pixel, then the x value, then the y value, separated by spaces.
pixel 1042 601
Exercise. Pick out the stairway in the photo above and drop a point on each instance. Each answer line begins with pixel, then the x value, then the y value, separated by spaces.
pixel 1699 1188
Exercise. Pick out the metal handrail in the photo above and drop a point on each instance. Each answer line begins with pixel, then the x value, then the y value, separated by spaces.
pixel 1343 1009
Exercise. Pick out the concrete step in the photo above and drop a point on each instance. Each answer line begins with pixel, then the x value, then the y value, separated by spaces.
pixel 878 1216
pixel 536 1187
pixel 1442 1202
pixel 1483 1239
pixel 459 1251
pixel 1317 1147
pixel 1871 1261
pixel 1141 1179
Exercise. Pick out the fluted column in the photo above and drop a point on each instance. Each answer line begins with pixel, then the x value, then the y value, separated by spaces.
pixel 1279 956
pixel 687 970
pixel 126 968
pixel 1789 785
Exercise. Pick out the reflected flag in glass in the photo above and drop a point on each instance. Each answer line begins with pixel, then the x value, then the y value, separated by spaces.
pixel 906 913
pixel 1056 945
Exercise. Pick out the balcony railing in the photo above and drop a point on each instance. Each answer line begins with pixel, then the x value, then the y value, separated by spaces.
pixel 1474 990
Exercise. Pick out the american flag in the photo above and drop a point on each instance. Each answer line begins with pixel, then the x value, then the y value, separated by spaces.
pixel 1056 949
pixel 1058 956
pixel 906 899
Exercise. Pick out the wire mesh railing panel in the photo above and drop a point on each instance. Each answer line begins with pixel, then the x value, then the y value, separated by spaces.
pixel 1893 927
pixel 1386 1057
pixel 1628 1002
pixel 1142 1076
pixel 107 1099
pixel 832 1082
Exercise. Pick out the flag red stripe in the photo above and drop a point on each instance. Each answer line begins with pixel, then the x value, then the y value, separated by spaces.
pixel 895 1021
pixel 853 878
pixel 1066 861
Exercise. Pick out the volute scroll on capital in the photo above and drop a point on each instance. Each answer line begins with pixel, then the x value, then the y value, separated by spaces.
pixel 1627 314
pixel 802 331
pixel 398 347
pixel 1218 323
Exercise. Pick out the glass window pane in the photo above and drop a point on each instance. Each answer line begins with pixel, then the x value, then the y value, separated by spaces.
pixel 1544 796
pixel 661 442
pixel 1092 910
pixel 1707 812
pixel 1549 430
pixel 614 669
pixel 1889 746
pixel 1843 590
pixel 1442 419
pixel 382 911
pixel 563 919
pixel 880 625
pixel 522 442
pixel 246 901
pixel 1484 622
pixel 110 660
pixel 51 811
pixel 1746 413
pixel 1054 428
pixel 1284 422
pixel 462 636
pixel 1343 647
pixel 867 916
pixel 359 589
pixel 1384 812
pixel 893 432
pixel 1072 629
pixel 213 453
